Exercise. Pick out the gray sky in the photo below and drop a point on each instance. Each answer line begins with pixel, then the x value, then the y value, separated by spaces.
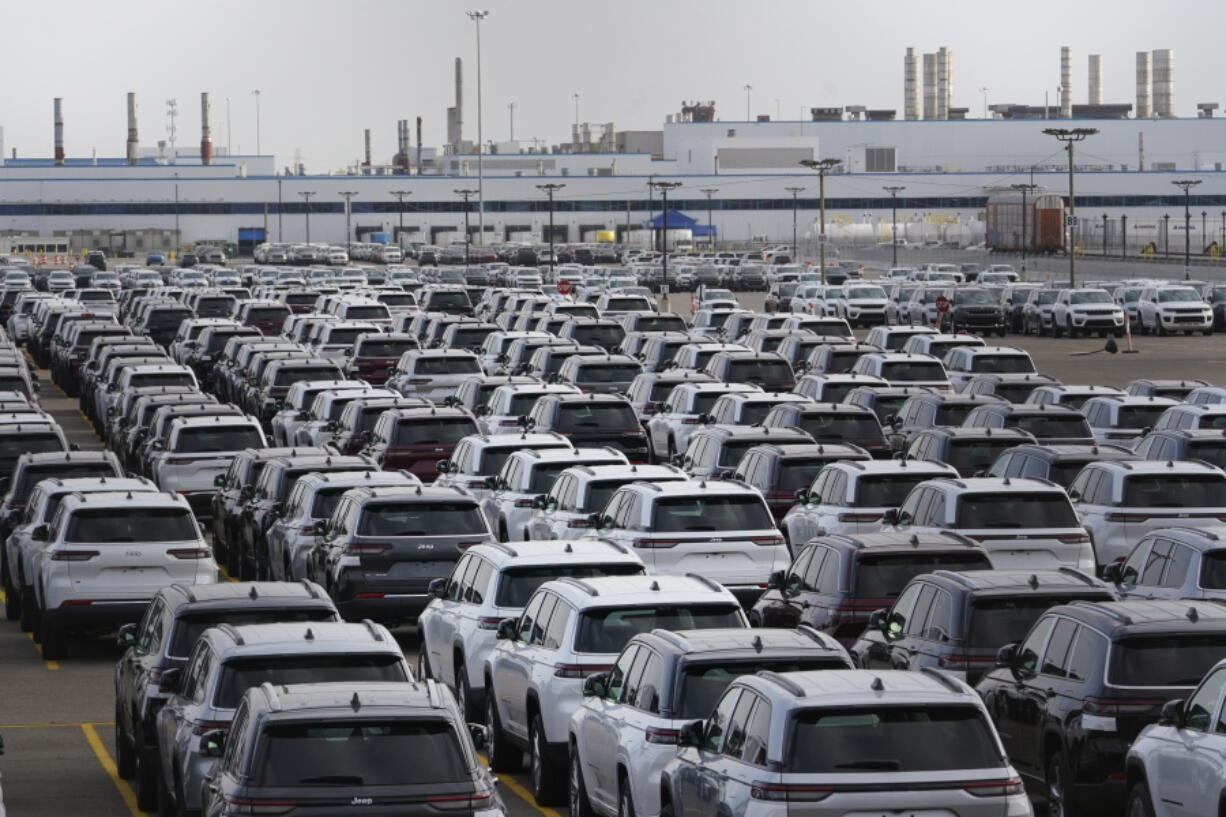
pixel 329 68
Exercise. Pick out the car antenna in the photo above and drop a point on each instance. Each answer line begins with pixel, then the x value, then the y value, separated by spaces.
pixel 309 636
pixel 254 594
pixel 877 685
pixel 914 540
pixel 355 703
pixel 1193 616
pixel 757 643
pixel 1034 582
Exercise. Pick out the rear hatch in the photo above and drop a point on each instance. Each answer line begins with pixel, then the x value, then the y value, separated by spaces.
pixel 1026 530
pixel 419 443
pixel 129 553
pixel 594 424
pixel 402 546
pixel 729 538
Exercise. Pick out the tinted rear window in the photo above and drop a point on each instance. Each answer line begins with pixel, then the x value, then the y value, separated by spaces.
pixel 608 372
pixel 14 445
pixel 1213 452
pixel 598 335
pixel 1046 427
pixel 271 313
pixel 971 456
pixel 702 684
pixel 1169 660
pixel 32 475
pixel 1002 364
pixel 886 491
pixel 116 525
pixel 758 371
pixel 834 427
pixel 437 430
pixel 1006 511
pixel 446 365
pixel 710 513
pixel 239 676
pixel 1015 392
pixel 608 630
pixel 421 519
pixel 188 629
pixel 385 348
pixel 449 300
pixel 1175 491
pixel 913 370
pixel 206 439
pixel 884 576
pixel 589 416
pixel 362 313
pixel 140 381
pixel 1139 416
pixel 516 585
pixel 952 414
pixel 996 622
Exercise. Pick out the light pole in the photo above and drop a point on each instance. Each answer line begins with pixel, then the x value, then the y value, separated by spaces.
pixel 348 195
pixel 984 91
pixel 477 17
pixel 178 243
pixel 1025 189
pixel 1104 235
pixel 894 190
pixel 711 191
pixel 1186 186
pixel 400 194
pixel 1222 243
pixel 306 209
pixel 748 90
pixel 511 110
pixel 795 191
pixel 651 210
pixel 1070 136
pixel 664 187
pixel 576 98
pixel 256 93
pixel 822 166
pixel 280 213
pixel 550 189
pixel 466 195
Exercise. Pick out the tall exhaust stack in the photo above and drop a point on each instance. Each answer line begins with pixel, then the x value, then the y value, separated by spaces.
pixel 59 132
pixel 930 86
pixel 1096 79
pixel 366 164
pixel 942 111
pixel 419 146
pixel 1144 74
pixel 1164 82
pixel 206 130
pixel 910 91
pixel 132 139
pixel 1066 82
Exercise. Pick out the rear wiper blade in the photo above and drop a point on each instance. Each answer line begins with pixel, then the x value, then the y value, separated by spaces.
pixel 336 779
pixel 884 765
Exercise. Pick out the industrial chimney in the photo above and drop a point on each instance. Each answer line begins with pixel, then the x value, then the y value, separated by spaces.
pixel 59 132
pixel 455 116
pixel 418 143
pixel 1066 82
pixel 1144 97
pixel 1164 82
pixel 366 164
pixel 909 89
pixel 1096 79
pixel 930 86
pixel 206 130
pixel 942 111
pixel 132 139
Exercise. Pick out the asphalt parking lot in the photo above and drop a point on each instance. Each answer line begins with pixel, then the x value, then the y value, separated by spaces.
pixel 57 717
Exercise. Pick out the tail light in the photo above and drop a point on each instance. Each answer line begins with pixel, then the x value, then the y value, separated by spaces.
pixel 656 543
pixel 1074 538
pixel 475 483
pixel 963 662
pixel 200 727
pixel 76 603
pixel 994 788
pixel 859 517
pixel 365 550
pixel 369 595
pixel 523 503
pixel 419 381
pixel 250 806
pixel 74 555
pixel 767 541
pixel 508 423
pixel 666 737
pixel 689 421
pixel 307 529
pixel 467 545
pixel 476 801
pixel 1120 706
pixel 578 523
pixel 579 670
pixel 1127 517
pixel 190 553
pixel 780 792
pixel 488 623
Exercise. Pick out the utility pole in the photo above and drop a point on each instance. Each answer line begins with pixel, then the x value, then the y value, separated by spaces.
pixel 348 195
pixel 550 189
pixel 984 91
pixel 748 91
pixel 1025 189
pixel 477 17
pixel 280 213
pixel 466 195
pixel 795 191
pixel 822 166
pixel 1186 186
pixel 576 97
pixel 894 190
pixel 256 93
pixel 709 192
pixel 664 187
pixel 1071 136
pixel 511 109
pixel 400 194
pixel 306 197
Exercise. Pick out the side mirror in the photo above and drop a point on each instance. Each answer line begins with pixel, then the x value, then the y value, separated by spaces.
pixel 213 744
pixel 437 588
pixel 775 580
pixel 595 521
pixel 481 410
pixel 1113 572
pixel 597 685
pixel 691 734
pixel 493 483
pixel 480 735
pixel 1006 656
pixel 508 628
pixel 219 481
pixel 877 619
pixel 443 466
pixel 540 502
pixel 890 517
pixel 321 527
pixel 158 445
pixel 39 534
pixel 802 495
pixel 1172 714
pixel 126 637
pixel 171 680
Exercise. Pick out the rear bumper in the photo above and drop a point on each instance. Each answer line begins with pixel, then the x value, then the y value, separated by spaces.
pixel 383 607
pixel 100 617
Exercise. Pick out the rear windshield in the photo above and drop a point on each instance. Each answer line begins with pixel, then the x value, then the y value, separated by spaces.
pixel 588 416
pixel 385 348
pixel 598 335
pixel 140 381
pixel 608 372
pixel 599 493
pixel 886 491
pixel 1175 491
pixel 452 300
pixel 131 525
pixel 239 676
pixel 1213 452
pixel 421 519
pixel 446 365
pixel 891 739
pixel 1063 472
pixel 911 370
pixel 362 313
pixel 289 376
pixel 1006 511
pixel 469 338
pixel 188 629
pixel 492 459
pixel 167 318
pixel 702 684
pixel 884 576
pixel 1047 426
pixel 759 371
pixel 999 621
pixel 1171 660
pixel 345 337
pixel 218 340
pixel 270 313
pixel 971 456
pixel 608 630
pixel 834 427
pixel 1002 364
pixel 335 753
pixel 797 473
pixel 841 362
pixel 435 430
pixel 205 439
pixel 516 585
pixel 16 444
pixel 1211 421
pixel 34 474
pixel 952 414
pixel 710 513
pixel 1015 392
pixel 1139 416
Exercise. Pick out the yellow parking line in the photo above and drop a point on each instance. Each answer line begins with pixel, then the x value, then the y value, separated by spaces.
pixel 46 663
pixel 226 574
pixel 108 765
pixel 521 792
pixel 73 724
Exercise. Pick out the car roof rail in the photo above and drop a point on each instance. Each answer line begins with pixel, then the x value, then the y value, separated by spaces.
pixel 232 631
pixel 373 629
pixel 274 700
pixel 1077 574
pixel 309 586
pixel 710 583
pixel 793 688
pixel 579 583
pixel 507 549
pixel 943 678
pixel 671 637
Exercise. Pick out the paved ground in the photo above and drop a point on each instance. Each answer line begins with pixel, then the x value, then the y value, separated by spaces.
pixel 56 717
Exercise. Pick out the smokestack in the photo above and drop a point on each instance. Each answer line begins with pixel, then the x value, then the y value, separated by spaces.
pixel 1066 82
pixel 206 130
pixel 131 128
pixel 1164 82
pixel 909 90
pixel 1144 73
pixel 949 81
pixel 1096 79
pixel 455 116
pixel 367 163
pixel 930 86
pixel 418 143
pixel 59 132
pixel 942 111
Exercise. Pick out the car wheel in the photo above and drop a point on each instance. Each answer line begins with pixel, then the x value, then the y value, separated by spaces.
pixel 503 757
pixel 1159 329
pixel 12 603
pixel 53 640
pixel 546 781
pixel 1056 778
pixel 625 798
pixel 1139 802
pixel 1206 332
pixel 146 783
pixel 464 694
pixel 666 810
pixel 1072 331
pixel 166 803
pixel 28 613
pixel 125 752
pixel 1119 333
pixel 576 791
pixel 1056 329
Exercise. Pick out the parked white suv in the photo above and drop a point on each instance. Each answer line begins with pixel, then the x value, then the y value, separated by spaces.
pixel 569 629
pixel 668 431
pixel 1173 307
pixel 490 583
pixel 197 450
pixel 721 529
pixel 1079 311
pixel 583 490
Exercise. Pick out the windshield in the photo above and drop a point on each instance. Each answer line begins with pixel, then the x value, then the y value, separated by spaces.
pixel 1002 364
pixel 363 313
pixel 835 427
pixel 517 584
pixel 703 684
pixel 446 365
pixel 443 300
pixel 886 491
pixel 1046 296
pixel 240 675
pixel 140 381
pixel 608 372
pixel 1006 511
pixel 976 297
pixel 432 430
pixel 421 519
pixel 999 621
pixel 912 371
pixel 14 445
pixel 710 513
pixel 1175 491
pixel 131 525
pixel 215 439
pixel 608 630
pixel 891 739
pixel 884 576
pixel 1095 297
pixel 1171 660
pixel 598 335
pixel 187 630
pixel 1178 295
pixel 866 292
pixel 335 753
pixel 1046 426
pixel 344 337
pixel 596 415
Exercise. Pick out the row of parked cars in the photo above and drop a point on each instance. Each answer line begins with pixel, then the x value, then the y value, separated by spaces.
pixel 654 635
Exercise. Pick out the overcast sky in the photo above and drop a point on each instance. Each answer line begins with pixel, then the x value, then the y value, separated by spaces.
pixel 330 68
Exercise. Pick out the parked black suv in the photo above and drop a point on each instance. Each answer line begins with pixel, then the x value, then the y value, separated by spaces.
pixel 780 470
pixel 768 371
pixel 832 423
pixel 969 450
pixel 1208 444
pixel 591 421
pixel 1070 698
pixel 1058 463
pixel 977 309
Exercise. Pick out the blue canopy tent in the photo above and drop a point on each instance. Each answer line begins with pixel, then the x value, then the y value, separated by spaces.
pixel 677 220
